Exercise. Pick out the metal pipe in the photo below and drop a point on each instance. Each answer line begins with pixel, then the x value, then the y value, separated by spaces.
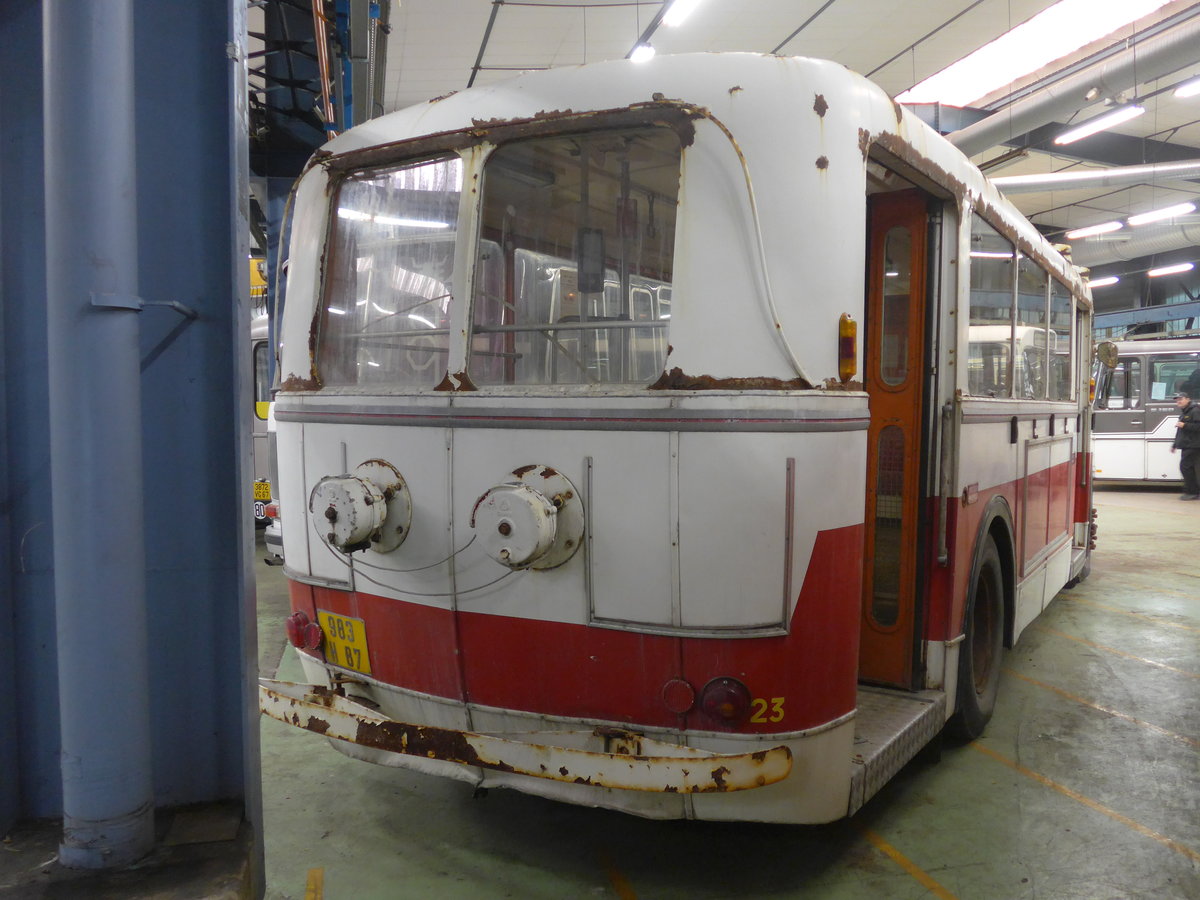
pixel 322 41
pixel 96 432
pixel 1141 62
pixel 1092 178
pixel 1143 241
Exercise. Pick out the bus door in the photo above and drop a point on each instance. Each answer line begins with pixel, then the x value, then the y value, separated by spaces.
pixel 893 370
pixel 1119 432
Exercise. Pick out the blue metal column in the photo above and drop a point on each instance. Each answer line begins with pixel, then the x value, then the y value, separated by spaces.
pixel 30 775
pixel 95 432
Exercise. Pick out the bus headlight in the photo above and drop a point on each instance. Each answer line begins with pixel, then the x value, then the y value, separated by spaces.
pixel 369 508
pixel 532 522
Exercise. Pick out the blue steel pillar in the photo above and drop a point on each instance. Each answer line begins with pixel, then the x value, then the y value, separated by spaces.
pixel 95 432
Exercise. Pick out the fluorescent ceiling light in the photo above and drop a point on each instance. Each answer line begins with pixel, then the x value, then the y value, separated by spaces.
pixel 990 254
pixel 1051 34
pixel 678 11
pixel 1103 228
pixel 641 53
pixel 1171 270
pixel 355 215
pixel 1167 212
pixel 1104 282
pixel 1100 123
pixel 1188 88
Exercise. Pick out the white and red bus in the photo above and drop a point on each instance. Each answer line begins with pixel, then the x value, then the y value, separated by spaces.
pixel 592 490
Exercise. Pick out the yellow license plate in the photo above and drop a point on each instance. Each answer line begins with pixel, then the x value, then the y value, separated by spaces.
pixel 345 641
pixel 262 490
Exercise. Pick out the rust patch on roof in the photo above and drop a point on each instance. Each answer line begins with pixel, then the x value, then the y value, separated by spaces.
pixel 735 90
pixel 864 142
pixel 820 106
pixel 442 97
pixel 822 162
pixel 676 380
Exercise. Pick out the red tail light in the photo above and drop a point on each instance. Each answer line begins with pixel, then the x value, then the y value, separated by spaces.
pixel 725 700
pixel 303 633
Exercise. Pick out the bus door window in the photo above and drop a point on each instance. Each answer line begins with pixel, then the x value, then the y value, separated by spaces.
pixel 262 380
pixel 1123 388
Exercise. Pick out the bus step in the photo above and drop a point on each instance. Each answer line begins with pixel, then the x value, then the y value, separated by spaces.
pixel 890 729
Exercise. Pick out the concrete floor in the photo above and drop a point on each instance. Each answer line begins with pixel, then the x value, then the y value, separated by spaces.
pixel 1086 785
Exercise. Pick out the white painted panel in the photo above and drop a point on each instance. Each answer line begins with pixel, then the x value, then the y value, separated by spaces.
pixel 1119 457
pixel 627 509
pixel 986 455
pixel 419 454
pixel 1029 600
pixel 732 518
pixel 1058 570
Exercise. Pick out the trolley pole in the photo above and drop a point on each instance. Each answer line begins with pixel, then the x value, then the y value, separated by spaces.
pixel 96 433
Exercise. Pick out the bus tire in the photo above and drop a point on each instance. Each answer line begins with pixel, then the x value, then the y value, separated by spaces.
pixel 982 650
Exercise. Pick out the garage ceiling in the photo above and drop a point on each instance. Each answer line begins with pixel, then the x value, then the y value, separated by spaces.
pixel 439 46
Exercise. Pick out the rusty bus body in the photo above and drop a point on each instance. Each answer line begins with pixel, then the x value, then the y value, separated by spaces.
pixel 592 490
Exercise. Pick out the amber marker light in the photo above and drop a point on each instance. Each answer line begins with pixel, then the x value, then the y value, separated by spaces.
pixel 847 346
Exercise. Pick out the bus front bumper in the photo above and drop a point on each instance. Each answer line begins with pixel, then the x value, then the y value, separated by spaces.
pixel 631 761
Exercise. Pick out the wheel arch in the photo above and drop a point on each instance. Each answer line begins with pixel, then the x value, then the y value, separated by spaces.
pixel 996 523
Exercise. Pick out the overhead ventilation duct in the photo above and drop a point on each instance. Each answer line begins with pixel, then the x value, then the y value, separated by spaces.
pixel 1092 178
pixel 1146 242
pixel 1142 61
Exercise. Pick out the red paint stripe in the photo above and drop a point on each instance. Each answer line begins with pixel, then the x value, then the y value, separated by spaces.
pixel 586 672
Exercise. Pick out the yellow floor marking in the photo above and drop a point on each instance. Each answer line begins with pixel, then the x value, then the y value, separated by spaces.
pixel 1104 709
pixel 314 889
pixel 908 865
pixel 1142 659
pixel 619 882
pixel 1139 615
pixel 1089 803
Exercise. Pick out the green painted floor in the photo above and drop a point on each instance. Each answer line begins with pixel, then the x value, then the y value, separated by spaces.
pixel 1086 785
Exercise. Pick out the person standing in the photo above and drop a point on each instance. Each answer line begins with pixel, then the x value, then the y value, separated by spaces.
pixel 1187 441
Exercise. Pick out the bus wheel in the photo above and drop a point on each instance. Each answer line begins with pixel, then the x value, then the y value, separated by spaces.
pixel 982 649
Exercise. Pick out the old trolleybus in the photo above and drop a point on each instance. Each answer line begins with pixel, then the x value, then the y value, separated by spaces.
pixel 582 492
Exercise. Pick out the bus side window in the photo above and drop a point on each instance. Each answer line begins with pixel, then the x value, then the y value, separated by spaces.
pixel 989 349
pixel 1168 376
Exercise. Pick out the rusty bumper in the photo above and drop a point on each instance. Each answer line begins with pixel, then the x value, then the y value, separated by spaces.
pixel 631 761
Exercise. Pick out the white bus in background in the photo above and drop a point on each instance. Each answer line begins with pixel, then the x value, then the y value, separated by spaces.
pixel 260 351
pixel 1135 410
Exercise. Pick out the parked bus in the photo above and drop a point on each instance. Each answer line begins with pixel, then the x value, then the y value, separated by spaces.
pixel 1135 412
pixel 590 487
pixel 262 402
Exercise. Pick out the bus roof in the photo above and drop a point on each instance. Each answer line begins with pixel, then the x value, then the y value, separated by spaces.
pixel 760 99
